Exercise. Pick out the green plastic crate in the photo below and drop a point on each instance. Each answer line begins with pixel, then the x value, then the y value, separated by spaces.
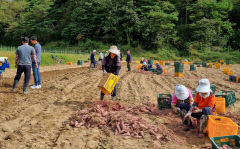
pixel 159 72
pixel 79 62
pixel 164 101
pixel 231 141
pixel 227 62
pixel 229 96
pixel 178 69
pixel 150 62
pixel 167 64
pixel 152 69
pixel 192 68
pixel 193 93
pixel 213 88
pixel 204 64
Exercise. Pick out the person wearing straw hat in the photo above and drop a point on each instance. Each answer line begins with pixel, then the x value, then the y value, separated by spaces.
pixel 204 105
pixel 180 96
pixel 111 64
pixel 93 59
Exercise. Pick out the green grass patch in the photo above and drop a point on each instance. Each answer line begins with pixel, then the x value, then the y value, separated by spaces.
pixel 48 59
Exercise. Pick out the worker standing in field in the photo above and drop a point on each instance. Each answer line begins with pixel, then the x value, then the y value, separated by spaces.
pixel 204 105
pixel 93 59
pixel 101 56
pixel 36 73
pixel 111 64
pixel 129 60
pixel 23 61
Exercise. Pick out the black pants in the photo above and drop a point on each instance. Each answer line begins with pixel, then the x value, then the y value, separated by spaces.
pixel 27 72
pixel 114 93
pixel 129 66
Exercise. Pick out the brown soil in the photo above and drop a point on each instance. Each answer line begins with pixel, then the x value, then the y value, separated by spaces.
pixel 40 119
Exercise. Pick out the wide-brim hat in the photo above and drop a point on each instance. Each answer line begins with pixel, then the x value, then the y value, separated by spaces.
pixel 181 92
pixel 203 86
pixel 114 50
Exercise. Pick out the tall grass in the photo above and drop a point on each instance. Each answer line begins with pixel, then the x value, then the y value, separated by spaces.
pixel 48 58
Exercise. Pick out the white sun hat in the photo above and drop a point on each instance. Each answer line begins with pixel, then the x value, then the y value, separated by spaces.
pixel 114 50
pixel 181 92
pixel 203 86
pixel 94 51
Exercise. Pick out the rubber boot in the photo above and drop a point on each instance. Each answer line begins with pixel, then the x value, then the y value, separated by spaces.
pixel 15 83
pixel 101 96
pixel 25 88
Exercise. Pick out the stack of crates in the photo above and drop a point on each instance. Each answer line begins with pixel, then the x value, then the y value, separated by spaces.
pixel 79 62
pixel 232 141
pixel 108 83
pixel 3 64
pixel 221 126
pixel 221 61
pixel 227 63
pixel 179 69
pixel 164 101
pixel 229 96
pixel 192 68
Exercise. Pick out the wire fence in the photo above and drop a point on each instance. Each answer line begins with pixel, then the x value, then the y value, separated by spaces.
pixel 45 50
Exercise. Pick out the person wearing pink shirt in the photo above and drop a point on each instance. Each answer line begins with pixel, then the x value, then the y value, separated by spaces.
pixel 180 96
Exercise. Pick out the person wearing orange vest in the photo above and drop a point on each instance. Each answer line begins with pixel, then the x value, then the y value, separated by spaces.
pixel 204 105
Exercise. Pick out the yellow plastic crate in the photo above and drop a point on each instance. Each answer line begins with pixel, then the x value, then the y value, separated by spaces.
pixel 226 70
pixel 69 63
pixel 139 66
pixel 162 63
pixel 137 62
pixel 155 62
pixel 218 66
pixel 210 65
pixel 179 74
pixel 220 105
pixel 108 83
pixel 231 73
pixel 221 126
pixel 221 61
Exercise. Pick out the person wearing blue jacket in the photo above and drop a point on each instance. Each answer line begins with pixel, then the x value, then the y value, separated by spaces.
pixel 129 60
pixel 93 59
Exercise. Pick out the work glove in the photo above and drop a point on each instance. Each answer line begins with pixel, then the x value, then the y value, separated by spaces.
pixel 104 71
pixel 187 116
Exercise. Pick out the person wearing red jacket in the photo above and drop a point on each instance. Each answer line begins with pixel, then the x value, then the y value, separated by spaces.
pixel 204 105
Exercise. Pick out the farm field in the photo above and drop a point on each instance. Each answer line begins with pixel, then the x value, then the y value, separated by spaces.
pixel 40 119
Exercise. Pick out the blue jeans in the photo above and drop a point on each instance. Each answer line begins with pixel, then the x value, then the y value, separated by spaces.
pixel 205 111
pixel 36 74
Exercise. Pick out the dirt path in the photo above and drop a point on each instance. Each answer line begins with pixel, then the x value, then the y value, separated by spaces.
pixel 39 120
